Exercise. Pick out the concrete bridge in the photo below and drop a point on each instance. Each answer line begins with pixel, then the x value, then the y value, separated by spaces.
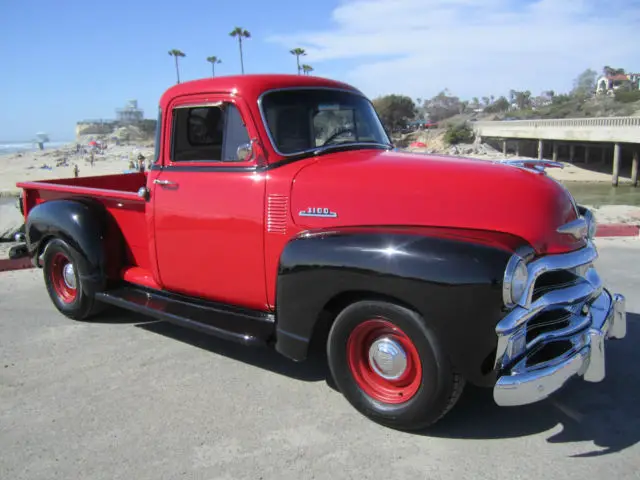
pixel 620 134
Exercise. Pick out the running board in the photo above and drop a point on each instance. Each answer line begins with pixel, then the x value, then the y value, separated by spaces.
pixel 237 324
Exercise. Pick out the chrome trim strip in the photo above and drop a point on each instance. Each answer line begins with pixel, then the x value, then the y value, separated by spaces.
pixel 200 105
pixel 310 87
pixel 586 358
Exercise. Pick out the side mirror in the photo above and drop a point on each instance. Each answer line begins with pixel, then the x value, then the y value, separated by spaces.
pixel 244 151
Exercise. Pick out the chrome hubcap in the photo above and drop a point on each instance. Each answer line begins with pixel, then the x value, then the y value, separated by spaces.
pixel 69 275
pixel 387 358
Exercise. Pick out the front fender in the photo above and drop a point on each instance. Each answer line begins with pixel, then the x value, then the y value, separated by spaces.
pixel 81 224
pixel 454 283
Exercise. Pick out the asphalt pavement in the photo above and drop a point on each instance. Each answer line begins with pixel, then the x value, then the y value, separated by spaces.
pixel 129 398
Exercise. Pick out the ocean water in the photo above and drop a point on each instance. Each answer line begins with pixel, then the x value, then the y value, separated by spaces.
pixel 15 147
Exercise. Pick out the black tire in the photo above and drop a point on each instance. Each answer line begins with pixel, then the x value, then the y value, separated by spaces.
pixel 78 305
pixel 438 385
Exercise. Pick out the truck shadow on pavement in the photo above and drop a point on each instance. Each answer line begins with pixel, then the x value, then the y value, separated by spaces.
pixel 606 413
pixel 314 369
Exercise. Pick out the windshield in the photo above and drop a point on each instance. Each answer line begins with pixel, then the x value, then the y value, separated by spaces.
pixel 308 119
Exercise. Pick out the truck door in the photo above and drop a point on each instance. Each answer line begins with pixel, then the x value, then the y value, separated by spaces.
pixel 209 203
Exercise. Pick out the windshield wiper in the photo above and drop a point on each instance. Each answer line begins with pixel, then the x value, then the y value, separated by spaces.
pixel 349 146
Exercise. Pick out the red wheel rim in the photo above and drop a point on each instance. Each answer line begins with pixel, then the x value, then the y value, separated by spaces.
pixel 63 278
pixel 367 374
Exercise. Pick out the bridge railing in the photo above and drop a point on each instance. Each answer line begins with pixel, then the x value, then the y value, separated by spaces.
pixel 569 122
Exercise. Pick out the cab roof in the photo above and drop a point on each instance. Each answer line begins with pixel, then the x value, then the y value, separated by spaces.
pixel 249 86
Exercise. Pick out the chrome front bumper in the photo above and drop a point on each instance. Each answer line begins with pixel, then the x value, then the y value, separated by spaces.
pixel 591 316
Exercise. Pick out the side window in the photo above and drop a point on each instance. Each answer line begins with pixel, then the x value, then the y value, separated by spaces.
pixel 208 133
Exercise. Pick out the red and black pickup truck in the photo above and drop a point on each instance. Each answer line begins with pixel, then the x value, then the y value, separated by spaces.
pixel 277 212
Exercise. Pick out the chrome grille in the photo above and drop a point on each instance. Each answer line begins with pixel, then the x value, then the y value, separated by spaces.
pixel 553 280
pixel 548 321
pixel 553 315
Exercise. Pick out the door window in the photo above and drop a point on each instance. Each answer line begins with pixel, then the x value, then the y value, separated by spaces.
pixel 210 133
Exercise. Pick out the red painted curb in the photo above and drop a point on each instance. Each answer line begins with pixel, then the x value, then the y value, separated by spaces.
pixel 7 264
pixel 618 230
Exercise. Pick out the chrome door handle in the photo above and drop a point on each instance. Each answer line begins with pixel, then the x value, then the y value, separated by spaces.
pixel 163 182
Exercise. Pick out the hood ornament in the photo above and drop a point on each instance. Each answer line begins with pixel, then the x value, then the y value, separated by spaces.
pixel 535 165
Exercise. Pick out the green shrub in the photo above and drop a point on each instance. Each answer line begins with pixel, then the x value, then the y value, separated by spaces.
pixel 459 133
pixel 627 97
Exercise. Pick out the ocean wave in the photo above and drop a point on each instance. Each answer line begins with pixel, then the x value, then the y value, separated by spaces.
pixel 17 147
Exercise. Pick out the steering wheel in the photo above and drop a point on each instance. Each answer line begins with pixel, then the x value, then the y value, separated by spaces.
pixel 338 132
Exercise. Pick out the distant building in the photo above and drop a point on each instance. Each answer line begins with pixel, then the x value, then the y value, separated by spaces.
pixel 608 84
pixel 129 114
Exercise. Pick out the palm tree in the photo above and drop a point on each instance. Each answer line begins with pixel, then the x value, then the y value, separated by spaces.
pixel 298 52
pixel 306 69
pixel 213 60
pixel 240 33
pixel 177 53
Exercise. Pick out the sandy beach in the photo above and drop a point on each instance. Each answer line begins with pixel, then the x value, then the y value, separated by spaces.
pixel 60 162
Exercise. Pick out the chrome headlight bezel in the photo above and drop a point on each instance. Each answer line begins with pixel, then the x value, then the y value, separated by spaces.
pixel 514 282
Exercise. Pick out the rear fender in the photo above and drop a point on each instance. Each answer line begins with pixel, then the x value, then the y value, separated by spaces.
pixel 82 224
pixel 454 283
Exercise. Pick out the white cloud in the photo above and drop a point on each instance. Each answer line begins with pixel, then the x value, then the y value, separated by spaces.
pixel 475 48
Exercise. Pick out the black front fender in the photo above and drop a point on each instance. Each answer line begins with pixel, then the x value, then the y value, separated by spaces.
pixel 455 284
pixel 79 223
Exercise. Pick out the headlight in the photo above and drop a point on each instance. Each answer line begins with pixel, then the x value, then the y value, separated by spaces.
pixel 515 280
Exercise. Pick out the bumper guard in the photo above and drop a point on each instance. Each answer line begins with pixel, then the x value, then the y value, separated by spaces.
pixel 586 358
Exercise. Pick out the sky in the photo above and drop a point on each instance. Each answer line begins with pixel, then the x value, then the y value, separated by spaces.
pixel 70 60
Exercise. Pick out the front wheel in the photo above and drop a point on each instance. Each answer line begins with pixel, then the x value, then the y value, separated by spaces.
pixel 62 276
pixel 389 365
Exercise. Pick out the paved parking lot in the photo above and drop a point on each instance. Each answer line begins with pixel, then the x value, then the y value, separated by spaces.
pixel 128 398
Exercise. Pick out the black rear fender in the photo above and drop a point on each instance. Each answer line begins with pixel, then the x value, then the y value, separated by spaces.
pixel 80 223
pixel 455 284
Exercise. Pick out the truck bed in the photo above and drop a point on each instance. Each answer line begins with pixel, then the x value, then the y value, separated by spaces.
pixel 117 193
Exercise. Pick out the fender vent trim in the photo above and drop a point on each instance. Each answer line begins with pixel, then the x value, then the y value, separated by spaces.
pixel 277 209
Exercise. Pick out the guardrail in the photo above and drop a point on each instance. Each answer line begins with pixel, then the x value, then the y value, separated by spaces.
pixel 569 122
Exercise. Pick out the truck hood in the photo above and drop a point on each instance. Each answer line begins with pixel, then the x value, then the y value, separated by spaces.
pixel 389 188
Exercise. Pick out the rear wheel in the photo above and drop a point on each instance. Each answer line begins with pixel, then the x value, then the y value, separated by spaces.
pixel 388 364
pixel 62 275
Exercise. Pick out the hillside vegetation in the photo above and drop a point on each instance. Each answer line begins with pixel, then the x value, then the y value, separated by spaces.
pixel 400 113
